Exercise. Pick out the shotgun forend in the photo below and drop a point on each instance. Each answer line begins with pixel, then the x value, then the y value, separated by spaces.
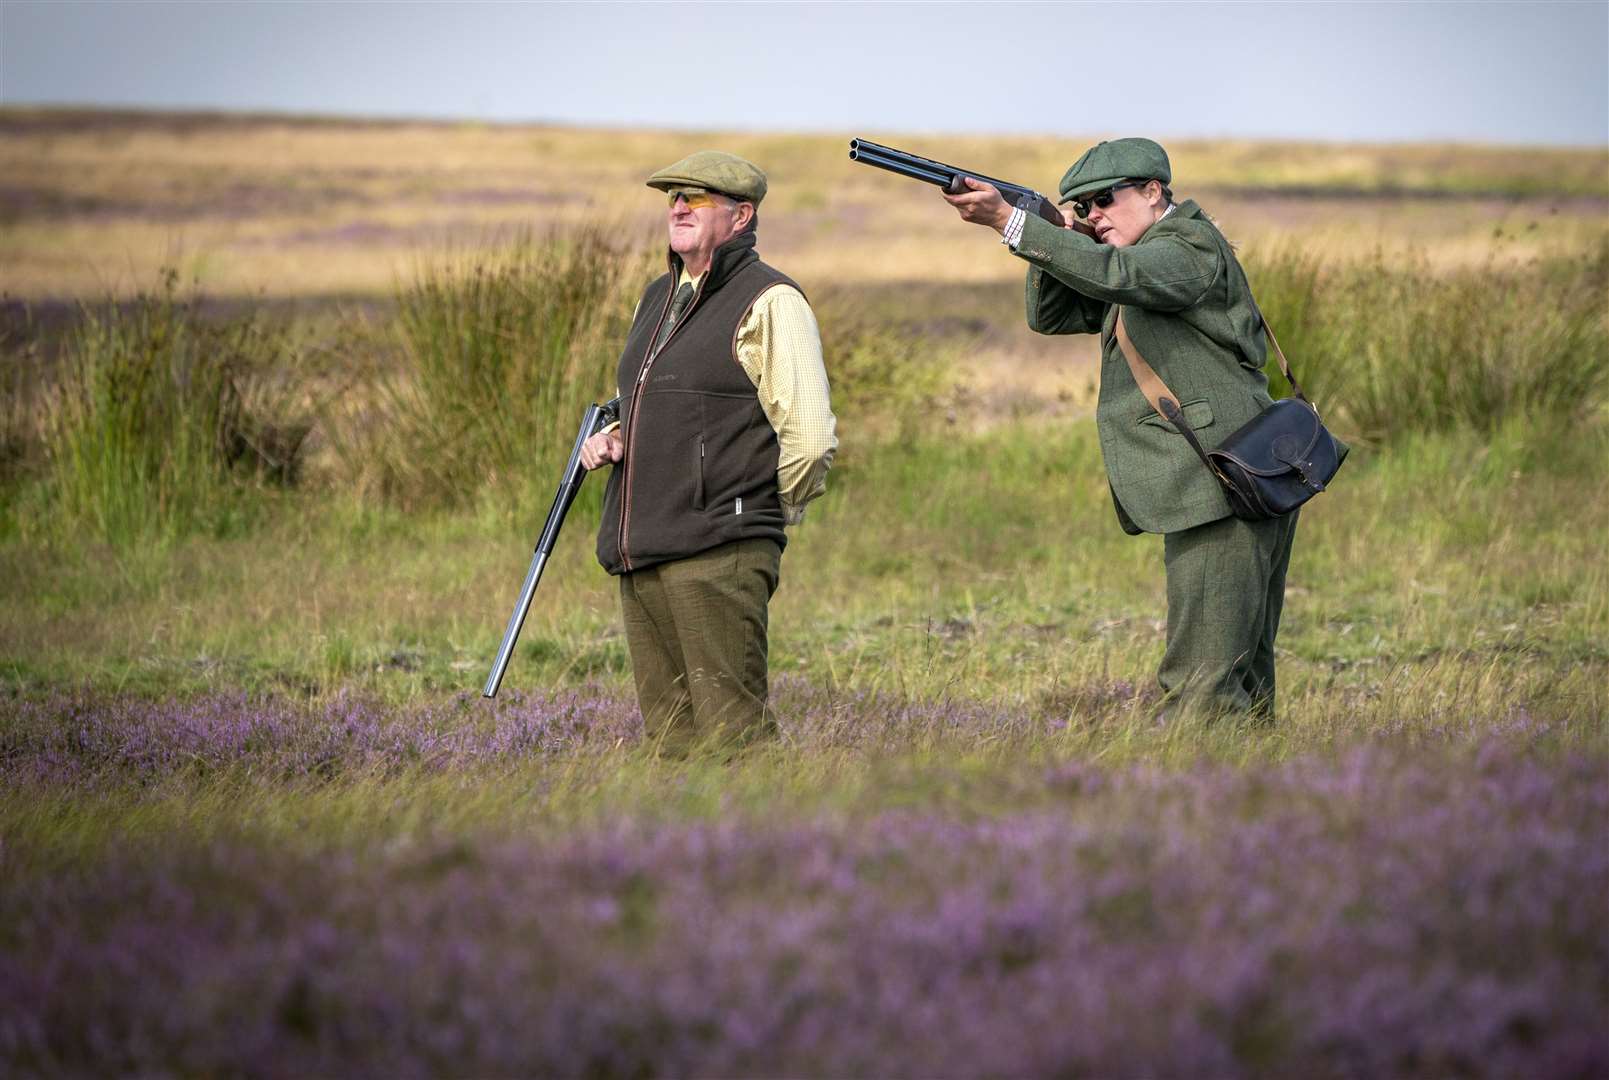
pixel 594 420
pixel 949 177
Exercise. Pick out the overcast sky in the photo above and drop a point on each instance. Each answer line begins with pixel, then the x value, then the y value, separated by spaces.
pixel 1484 72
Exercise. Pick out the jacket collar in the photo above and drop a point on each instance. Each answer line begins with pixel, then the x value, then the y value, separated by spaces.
pixel 727 260
pixel 1181 211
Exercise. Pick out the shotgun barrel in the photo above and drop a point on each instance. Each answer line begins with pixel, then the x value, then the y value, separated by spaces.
pixel 949 177
pixel 595 419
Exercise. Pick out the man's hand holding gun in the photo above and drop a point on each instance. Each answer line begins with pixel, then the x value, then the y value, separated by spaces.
pixel 604 448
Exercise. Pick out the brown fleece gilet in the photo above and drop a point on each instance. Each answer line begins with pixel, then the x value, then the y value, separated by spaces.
pixel 700 467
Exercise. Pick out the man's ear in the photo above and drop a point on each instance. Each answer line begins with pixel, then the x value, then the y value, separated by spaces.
pixel 745 214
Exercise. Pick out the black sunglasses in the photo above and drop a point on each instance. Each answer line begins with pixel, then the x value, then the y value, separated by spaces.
pixel 1103 199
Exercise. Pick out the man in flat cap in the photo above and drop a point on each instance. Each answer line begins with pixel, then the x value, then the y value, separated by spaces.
pixel 725 433
pixel 1188 312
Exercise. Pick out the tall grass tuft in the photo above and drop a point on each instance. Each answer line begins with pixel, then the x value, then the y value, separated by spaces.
pixel 154 407
pixel 500 354
pixel 1396 348
pixel 19 389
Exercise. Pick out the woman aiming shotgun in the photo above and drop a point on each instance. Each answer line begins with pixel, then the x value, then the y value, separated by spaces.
pixel 1187 309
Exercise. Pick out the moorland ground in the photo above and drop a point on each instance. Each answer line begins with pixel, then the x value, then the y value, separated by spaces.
pixel 265 515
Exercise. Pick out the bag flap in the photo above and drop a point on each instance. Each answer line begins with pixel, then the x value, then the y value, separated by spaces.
pixel 1285 433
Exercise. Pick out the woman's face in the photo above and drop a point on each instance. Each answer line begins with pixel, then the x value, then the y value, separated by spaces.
pixel 1132 211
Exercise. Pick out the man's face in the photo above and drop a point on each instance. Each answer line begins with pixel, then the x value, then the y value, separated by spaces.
pixel 1131 211
pixel 700 222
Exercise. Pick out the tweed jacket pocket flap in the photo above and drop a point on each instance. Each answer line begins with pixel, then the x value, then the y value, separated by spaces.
pixel 1197 413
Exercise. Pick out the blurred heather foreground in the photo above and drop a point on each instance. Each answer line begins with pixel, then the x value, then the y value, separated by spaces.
pixel 283 402
pixel 239 887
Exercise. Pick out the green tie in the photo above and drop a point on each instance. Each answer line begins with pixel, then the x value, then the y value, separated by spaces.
pixel 678 304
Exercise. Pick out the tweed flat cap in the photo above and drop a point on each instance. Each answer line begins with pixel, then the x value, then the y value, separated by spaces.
pixel 713 170
pixel 1108 163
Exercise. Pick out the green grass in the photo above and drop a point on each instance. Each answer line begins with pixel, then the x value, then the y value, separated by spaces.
pixel 1459 550
pixel 978 567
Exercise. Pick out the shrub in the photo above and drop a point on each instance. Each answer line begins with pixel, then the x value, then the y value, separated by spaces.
pixel 499 355
pixel 154 412
pixel 1395 347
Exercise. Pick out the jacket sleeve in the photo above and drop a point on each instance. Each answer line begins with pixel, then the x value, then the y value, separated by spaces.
pixel 1053 308
pixel 1168 271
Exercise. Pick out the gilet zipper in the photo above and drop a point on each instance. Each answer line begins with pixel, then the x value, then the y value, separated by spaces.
pixel 636 395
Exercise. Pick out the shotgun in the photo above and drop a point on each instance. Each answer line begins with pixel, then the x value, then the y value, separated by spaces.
pixel 949 177
pixel 596 418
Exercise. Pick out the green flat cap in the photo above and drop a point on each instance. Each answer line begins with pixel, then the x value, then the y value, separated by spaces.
pixel 713 170
pixel 1108 163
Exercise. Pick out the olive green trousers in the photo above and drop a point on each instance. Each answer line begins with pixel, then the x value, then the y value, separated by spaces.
pixel 696 629
pixel 1226 589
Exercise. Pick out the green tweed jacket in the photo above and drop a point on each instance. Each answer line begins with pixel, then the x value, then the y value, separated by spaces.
pixel 1190 312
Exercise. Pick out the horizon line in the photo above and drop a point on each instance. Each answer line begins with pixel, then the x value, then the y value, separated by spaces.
pixel 453 120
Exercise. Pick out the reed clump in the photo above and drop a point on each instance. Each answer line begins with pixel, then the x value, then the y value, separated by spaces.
pixel 158 418
pixel 498 355
pixel 19 413
pixel 1396 349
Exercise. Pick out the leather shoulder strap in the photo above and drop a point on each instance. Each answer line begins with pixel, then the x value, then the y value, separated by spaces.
pixel 1163 400
pixel 1151 384
pixel 1284 365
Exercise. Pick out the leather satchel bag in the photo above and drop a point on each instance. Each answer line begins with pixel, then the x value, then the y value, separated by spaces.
pixel 1273 463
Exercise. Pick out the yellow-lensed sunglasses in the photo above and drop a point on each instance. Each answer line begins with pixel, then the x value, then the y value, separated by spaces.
pixel 695 199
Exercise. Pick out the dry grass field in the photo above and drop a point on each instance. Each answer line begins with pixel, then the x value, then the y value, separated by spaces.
pixel 285 207
pixel 296 209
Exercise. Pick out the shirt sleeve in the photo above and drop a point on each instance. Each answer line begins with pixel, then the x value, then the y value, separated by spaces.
pixel 779 348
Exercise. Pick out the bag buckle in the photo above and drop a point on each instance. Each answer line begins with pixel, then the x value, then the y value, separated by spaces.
pixel 1302 467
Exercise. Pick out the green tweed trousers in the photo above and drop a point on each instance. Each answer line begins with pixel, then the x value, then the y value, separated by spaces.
pixel 1226 588
pixel 696 628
